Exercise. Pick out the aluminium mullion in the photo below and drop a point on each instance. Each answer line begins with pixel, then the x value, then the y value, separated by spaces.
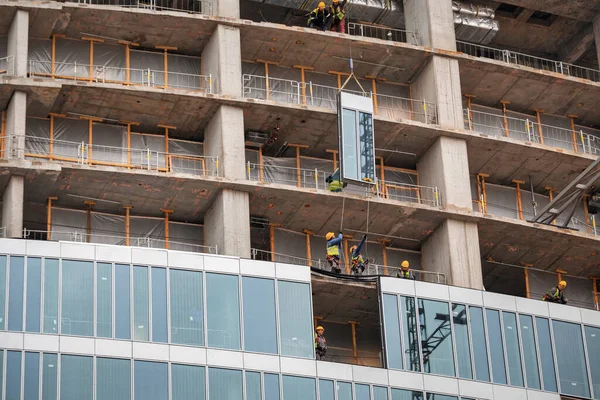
pixel 537 352
pixel 60 284
pixel 40 374
pixel 42 295
pixel 22 375
pixel 131 306
pixel 58 370
pixel 556 372
pixel 24 321
pixel 453 338
pixel 94 380
pixel 418 326
pixel 169 380
pixel 503 340
pixel 4 373
pixel 470 337
pixel 586 361
pixel 277 321
pixel 262 385
pixel 6 294
pixel 487 344
pixel 400 319
pixel 95 299
pixel 241 313
pixel 205 312
pixel 168 305
pixel 113 301
pixel 244 372
pixel 520 339
pixel 150 336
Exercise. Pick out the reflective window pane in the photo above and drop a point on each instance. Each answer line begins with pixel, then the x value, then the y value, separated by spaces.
pixel 76 377
pixel 224 384
pixel 297 388
pixel 253 389
pixel 259 305
pixel 436 337
pixel 31 386
pixel 401 394
pixel 461 337
pixel 572 371
pixel 2 291
pixel 104 300
pixel 34 294
pixel 77 298
pixel 362 392
pixel 159 305
pixel 529 352
pixel 412 359
pixel 188 382
pixel 546 357
pixel 496 346
pixel 141 310
pixel 271 386
pixel 480 354
pixel 223 312
pixel 150 381
pixel 349 150
pixel 295 319
pixel 187 321
pixel 122 302
pixel 50 296
pixel 592 339
pixel 344 391
pixel 15 293
pixel 435 396
pixel 513 351
pixel 391 323
pixel 49 376
pixel 113 379
pixel 367 149
pixel 326 391
pixel 13 375
pixel 380 393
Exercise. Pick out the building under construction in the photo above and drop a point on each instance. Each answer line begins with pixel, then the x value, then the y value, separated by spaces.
pixel 163 173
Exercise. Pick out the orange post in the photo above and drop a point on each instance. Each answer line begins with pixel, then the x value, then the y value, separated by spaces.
pixel 550 197
pixel 167 128
pixel 91 67
pixel 374 89
pixel 3 134
pixel 91 121
pixel 88 230
pixel 586 213
pixel 339 77
pixel 346 254
pixel 481 180
pixel 272 240
pixel 302 69
pixel 128 45
pixel 267 83
pixel 354 347
pixel 470 97
pixel 308 249
pixel 573 133
pixel 49 220
pixel 504 104
pixel 53 55
pixel 167 212
pixel 127 223
pixel 335 157
pixel 559 274
pixel 260 164
pixel 538 113
pixel 129 124
pixel 166 63
pixel 595 291
pixel 384 244
pixel 526 272
pixel 298 147
pixel 519 202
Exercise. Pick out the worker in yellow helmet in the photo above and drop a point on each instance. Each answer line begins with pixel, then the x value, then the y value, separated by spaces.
pixel 338 14
pixel 334 245
pixel 404 272
pixel 358 262
pixel 320 343
pixel 319 17
pixel 555 295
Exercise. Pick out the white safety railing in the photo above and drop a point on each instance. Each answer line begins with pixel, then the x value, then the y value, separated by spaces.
pixel 425 276
pixel 84 153
pixel 306 178
pixel 316 95
pixel 264 255
pixel 409 193
pixel 188 6
pixel 526 60
pixel 143 241
pixel 383 33
pixel 128 76
pixel 7 65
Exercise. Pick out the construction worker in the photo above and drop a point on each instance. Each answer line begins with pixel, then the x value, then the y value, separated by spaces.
pixel 335 183
pixel 334 245
pixel 338 14
pixel 320 343
pixel 404 272
pixel 358 262
pixel 555 295
pixel 319 17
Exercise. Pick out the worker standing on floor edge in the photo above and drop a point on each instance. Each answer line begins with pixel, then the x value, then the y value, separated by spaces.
pixel 358 262
pixel 339 16
pixel 555 295
pixel 404 272
pixel 320 343
pixel 335 182
pixel 319 17
pixel 334 245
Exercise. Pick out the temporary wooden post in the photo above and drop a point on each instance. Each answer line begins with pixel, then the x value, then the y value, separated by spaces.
pixel 298 147
pixel 53 55
pixel 166 128
pixel 526 272
pixel 260 164
pixel 470 98
pixel 374 89
pixel 573 132
pixel 504 104
pixel 167 212
pixel 586 213
pixel 595 291
pixel 308 250
pixel 267 83
pixel 335 157
pixel 49 221
pixel 2 134
pixel 91 121
pixel 51 144
pixel 354 347
pixel 88 230
pixel 127 223
pixel 166 62
pixel 519 202
pixel 128 46
pixel 339 77
pixel 91 67
pixel 384 244
pixel 272 240
pixel 481 182
pixel 129 125
pixel 303 68
pixel 538 113
pixel 551 196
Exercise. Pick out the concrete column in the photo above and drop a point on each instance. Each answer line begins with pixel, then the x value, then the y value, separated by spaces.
pixel 227 223
pixel 224 138
pixel 433 21
pixel 597 35
pixel 222 59
pixel 453 249
pixel 12 207
pixel 18 39
pixel 16 118
pixel 226 8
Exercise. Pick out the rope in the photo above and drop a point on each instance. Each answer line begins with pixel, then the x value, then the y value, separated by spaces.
pixel 343 206
pixel 367 242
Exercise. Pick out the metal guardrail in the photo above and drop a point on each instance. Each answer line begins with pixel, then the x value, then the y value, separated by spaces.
pixel 144 241
pixel 409 193
pixel 93 154
pixel 383 33
pixel 7 65
pixel 526 60
pixel 128 76
pixel 188 6
pixel 316 95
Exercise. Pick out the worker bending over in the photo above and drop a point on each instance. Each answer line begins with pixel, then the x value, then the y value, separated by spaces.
pixel 555 295
pixel 404 272
pixel 335 182
pixel 339 16
pixel 319 17
pixel 358 262
pixel 334 245
pixel 320 343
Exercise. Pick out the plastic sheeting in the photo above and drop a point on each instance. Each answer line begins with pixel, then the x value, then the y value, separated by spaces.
pixel 316 94
pixel 109 142
pixel 280 170
pixel 557 132
pixel 501 201
pixel 517 126
pixel 107 228
pixel 140 156
pixel 284 84
pixel 141 61
pixel 72 58
pixel 288 243
pixel 109 62
pixel 68 135
pixel 184 72
pixel 185 237
pixel 393 101
pixel 474 194
pixel 527 203
pixel 483 122
pixel 3 53
pixel 40 56
pixel 323 168
pixel 37 135
pixel 66 222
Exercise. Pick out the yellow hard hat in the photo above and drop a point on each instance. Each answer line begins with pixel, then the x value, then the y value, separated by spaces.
pixel 335 1
pixel 329 235
pixel 353 248
pixel 321 5
pixel 405 264
pixel 562 283
pixel 320 328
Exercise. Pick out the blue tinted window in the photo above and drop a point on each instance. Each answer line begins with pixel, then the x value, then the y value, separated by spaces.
pixel 150 381
pixel 529 352
pixel 224 384
pixel 436 337
pixel 31 386
pixel 34 294
pixel 50 296
pixel 2 290
pixel 513 351
pixel 13 375
pixel 271 386
pixel 49 376
pixel 253 389
pixel 362 392
pixel 223 311
pixel 391 323
pixel 461 337
pixel 401 394
pixel 113 379
pixel 188 382
pixel 344 391
pixel 76 378
pixel 295 319
pixel 572 371
pixel 297 388
pixel 77 298
pixel 122 302
pixel 15 294
pixel 326 391
pixel 141 308
pixel 159 305
pixel 546 357
pixel 412 359
pixel 260 328
pixel 380 393
pixel 480 354
pixel 187 322
pixel 496 346
pixel 434 396
pixel 104 300
pixel 592 339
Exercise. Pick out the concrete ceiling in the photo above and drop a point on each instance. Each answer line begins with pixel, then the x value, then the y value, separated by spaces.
pixel 582 10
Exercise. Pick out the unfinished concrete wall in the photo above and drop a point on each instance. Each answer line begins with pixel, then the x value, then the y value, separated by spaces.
pixel 224 138
pixel 18 39
pixel 597 35
pixel 227 223
pixel 12 207
pixel 226 8
pixel 222 59
pixel 433 21
pixel 16 125
pixel 453 249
